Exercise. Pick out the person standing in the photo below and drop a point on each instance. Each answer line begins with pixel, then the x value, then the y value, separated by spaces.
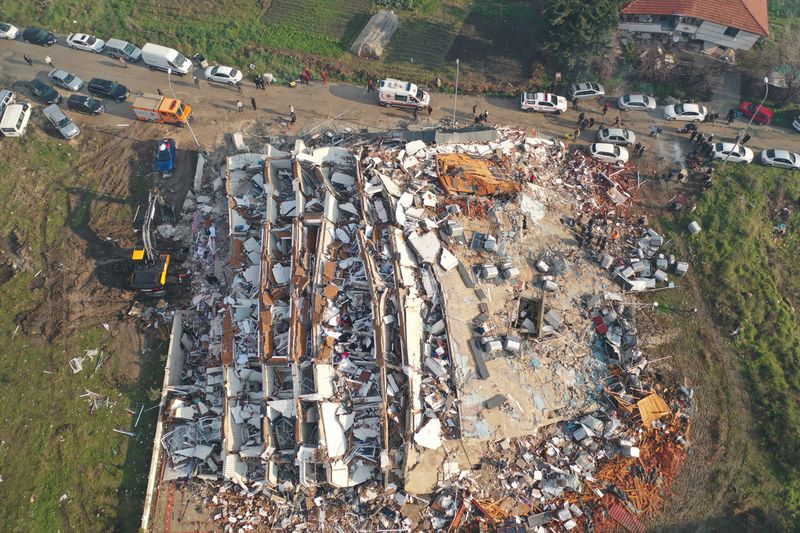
pixel 636 148
pixel 239 106
pixel 641 150
pixel 474 110
pixel 745 139
pixel 49 61
pixel 122 62
pixel 591 122
pixel 253 103
pixel 430 111
pixel 308 75
pixel 581 117
pixel 159 92
pixel 693 135
pixel 292 118
pixel 416 109
pixel 575 104
pixel 324 77
pixel 606 107
pixel 196 81
pixel 239 87
pixel 616 123
pixel 711 138
pixel 28 60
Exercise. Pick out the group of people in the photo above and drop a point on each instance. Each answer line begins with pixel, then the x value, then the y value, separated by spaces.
pixel 429 109
pixel 479 119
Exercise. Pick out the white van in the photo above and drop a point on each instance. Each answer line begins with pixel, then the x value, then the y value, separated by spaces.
pixel 159 57
pixel 15 119
pixel 398 93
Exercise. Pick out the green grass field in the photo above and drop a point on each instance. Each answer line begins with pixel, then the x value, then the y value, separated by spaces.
pixel 494 38
pixel 62 468
pixel 749 270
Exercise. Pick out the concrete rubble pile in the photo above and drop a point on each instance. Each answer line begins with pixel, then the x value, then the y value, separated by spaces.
pixel 419 337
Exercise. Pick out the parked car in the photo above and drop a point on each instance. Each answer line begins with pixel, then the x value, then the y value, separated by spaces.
pixel 158 57
pixel 6 99
pixel 636 102
pixel 228 75
pixel 542 102
pixel 117 48
pixel 796 123
pixel 8 31
pixel 61 121
pixel 616 136
pixel 108 89
pixel 85 104
pixel 759 114
pixel 780 159
pixel 165 156
pixel 44 92
pixel 610 153
pixel 686 111
pixel 14 122
pixel 732 152
pixel 87 43
pixel 65 80
pixel 585 90
pixel 39 36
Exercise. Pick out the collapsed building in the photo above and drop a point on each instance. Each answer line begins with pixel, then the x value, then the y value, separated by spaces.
pixel 393 319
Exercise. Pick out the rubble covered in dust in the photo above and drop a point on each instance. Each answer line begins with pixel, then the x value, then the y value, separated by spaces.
pixel 391 335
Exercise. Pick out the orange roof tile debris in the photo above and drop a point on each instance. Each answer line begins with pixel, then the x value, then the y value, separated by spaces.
pixel 459 173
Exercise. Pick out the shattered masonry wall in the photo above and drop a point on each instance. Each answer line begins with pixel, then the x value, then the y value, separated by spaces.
pixel 172 377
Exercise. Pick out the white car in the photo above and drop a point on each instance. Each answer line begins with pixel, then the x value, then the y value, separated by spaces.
pixel 8 31
pixel 685 111
pixel 610 153
pixel 585 90
pixel 780 159
pixel 616 136
pixel 636 102
pixel 542 102
pixel 732 152
pixel 228 75
pixel 87 43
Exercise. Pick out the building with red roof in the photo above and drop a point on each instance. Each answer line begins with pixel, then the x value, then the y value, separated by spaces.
pixel 734 24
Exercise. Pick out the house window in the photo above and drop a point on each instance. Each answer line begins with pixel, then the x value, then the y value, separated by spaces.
pixel 731 32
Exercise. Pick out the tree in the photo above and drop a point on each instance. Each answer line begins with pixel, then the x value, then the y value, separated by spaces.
pixel 578 30
pixel 781 53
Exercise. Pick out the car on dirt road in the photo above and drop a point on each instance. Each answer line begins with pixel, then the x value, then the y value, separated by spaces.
pixel 8 31
pixel 610 153
pixel 619 136
pixel 760 114
pixel 735 153
pixel 165 156
pixel 85 104
pixel 685 111
pixel 65 80
pixel 39 36
pixel 586 90
pixel 227 75
pixel 44 92
pixel 87 43
pixel 636 102
pixel 61 121
pixel 542 102
pixel 780 159
pixel 108 89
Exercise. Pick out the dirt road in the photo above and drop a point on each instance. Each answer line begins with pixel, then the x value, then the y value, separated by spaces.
pixel 334 106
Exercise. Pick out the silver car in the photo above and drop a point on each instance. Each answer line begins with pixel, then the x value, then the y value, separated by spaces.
pixel 61 121
pixel 616 136
pixel 780 159
pixel 636 102
pixel 65 80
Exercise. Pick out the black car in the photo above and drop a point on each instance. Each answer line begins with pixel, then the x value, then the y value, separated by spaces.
pixel 108 89
pixel 39 36
pixel 85 104
pixel 44 92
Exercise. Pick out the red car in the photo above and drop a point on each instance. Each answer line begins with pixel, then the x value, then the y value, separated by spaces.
pixel 763 115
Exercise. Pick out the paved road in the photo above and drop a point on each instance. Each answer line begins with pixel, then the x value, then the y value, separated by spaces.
pixel 337 105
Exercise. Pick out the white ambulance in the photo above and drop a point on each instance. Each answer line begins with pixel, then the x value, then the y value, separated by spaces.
pixel 398 93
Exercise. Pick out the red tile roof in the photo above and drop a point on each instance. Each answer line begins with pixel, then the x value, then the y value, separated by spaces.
pixel 747 15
